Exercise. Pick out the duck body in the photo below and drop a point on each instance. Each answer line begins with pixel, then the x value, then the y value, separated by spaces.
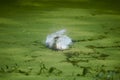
pixel 58 40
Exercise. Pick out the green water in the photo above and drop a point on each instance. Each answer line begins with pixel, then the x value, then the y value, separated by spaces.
pixel 93 25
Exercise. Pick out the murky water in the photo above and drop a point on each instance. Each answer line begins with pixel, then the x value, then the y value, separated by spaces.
pixel 94 27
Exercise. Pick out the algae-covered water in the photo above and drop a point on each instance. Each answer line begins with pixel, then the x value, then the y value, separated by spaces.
pixel 93 25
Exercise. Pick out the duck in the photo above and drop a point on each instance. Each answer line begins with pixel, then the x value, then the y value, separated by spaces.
pixel 58 40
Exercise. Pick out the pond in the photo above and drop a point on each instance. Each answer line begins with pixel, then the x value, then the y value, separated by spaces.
pixel 93 26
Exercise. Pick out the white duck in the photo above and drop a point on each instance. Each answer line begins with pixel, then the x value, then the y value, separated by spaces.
pixel 58 40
